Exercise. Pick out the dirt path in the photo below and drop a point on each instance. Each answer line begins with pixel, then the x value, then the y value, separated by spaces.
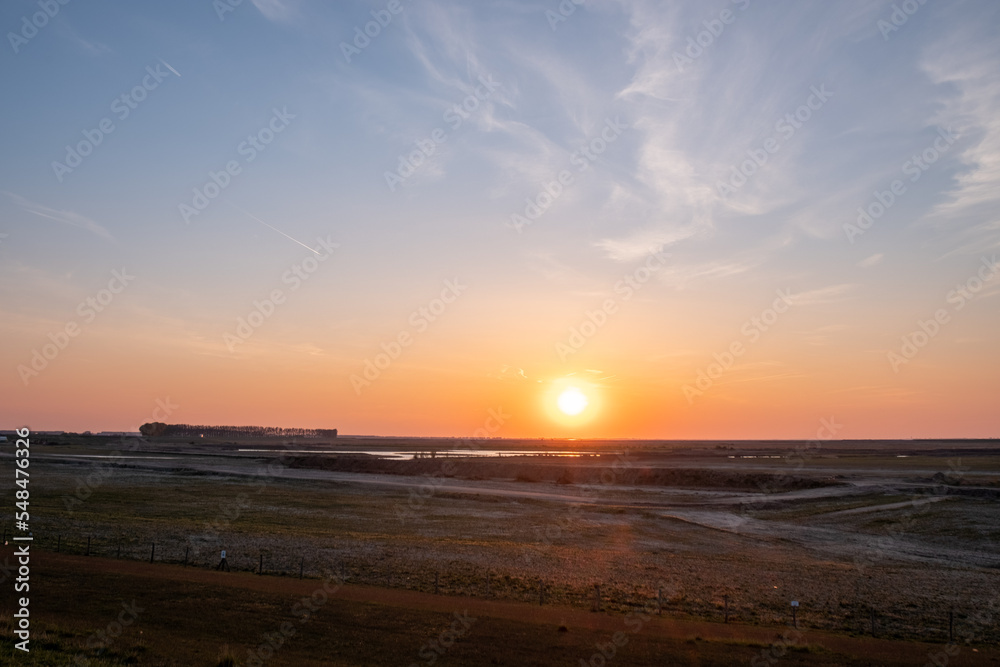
pixel 877 650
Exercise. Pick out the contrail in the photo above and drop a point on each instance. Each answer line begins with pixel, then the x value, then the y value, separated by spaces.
pixel 274 228
pixel 169 67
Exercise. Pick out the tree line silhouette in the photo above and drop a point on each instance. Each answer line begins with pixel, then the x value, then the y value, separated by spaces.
pixel 159 429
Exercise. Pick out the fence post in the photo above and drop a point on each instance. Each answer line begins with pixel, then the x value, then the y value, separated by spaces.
pixel 436 580
pixel 726 598
pixel 541 592
pixel 260 564
pixel 186 549
pixel 597 597
pixel 659 601
pixel 302 564
pixel 152 552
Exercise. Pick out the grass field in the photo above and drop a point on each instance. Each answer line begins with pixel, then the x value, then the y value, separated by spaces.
pixel 840 542
pixel 98 612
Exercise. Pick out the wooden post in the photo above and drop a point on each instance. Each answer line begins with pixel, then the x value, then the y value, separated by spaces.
pixel 541 592
pixel 436 578
pixel 951 627
pixel 726 617
pixel 597 597
pixel 659 601
pixel 260 565
pixel 186 549
pixel 795 619
pixel 302 564
pixel 152 552
pixel 88 545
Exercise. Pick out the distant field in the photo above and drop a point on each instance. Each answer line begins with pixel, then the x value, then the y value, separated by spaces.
pixel 913 537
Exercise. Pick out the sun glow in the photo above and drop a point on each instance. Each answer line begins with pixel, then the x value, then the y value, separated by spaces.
pixel 572 401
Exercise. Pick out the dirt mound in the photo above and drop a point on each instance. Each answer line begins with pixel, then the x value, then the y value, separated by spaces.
pixel 527 470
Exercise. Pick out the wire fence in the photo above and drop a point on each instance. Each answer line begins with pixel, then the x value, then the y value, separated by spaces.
pixel 948 624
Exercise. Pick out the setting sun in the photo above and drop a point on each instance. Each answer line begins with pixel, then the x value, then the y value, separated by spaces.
pixel 572 401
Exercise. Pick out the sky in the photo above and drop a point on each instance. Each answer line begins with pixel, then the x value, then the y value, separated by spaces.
pixel 713 219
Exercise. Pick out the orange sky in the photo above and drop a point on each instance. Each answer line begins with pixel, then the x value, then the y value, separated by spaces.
pixel 797 223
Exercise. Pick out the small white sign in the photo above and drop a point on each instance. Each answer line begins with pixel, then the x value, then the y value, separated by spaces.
pixel 224 558
pixel 795 603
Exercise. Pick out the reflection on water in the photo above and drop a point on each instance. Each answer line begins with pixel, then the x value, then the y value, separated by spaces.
pixel 436 453
pixel 105 456
pixel 757 456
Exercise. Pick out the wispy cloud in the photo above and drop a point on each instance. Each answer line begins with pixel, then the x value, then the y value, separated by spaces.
pixel 822 336
pixel 831 294
pixel 972 112
pixel 644 242
pixel 71 218
pixel 680 274
pixel 871 261
pixel 968 71
pixel 279 11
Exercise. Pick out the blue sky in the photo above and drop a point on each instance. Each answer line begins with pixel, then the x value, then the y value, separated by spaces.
pixel 682 118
